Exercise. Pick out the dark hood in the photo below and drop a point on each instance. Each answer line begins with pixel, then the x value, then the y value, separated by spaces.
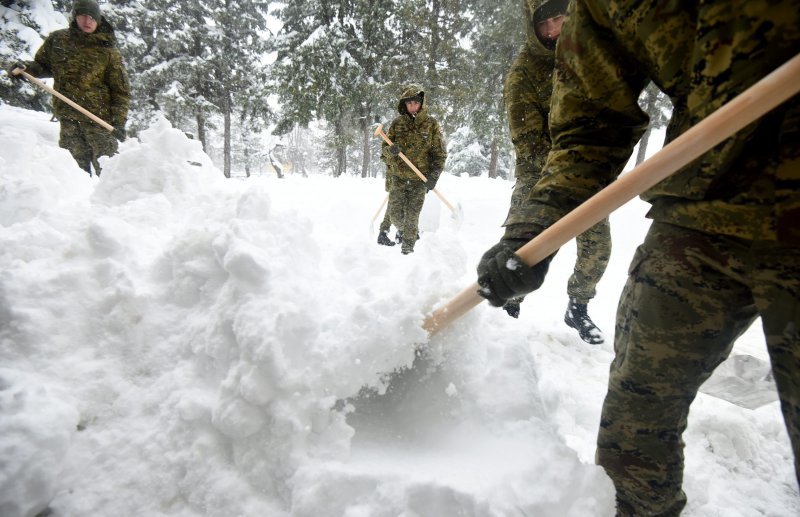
pixel 409 92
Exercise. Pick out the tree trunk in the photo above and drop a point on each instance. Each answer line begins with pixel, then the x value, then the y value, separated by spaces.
pixel 341 161
pixel 226 110
pixel 200 118
pixel 365 154
pixel 341 151
pixel 493 159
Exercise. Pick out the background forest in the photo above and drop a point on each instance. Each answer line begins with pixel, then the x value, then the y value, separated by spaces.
pixel 297 87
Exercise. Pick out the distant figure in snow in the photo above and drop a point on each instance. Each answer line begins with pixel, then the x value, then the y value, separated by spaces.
pixel 86 67
pixel 419 137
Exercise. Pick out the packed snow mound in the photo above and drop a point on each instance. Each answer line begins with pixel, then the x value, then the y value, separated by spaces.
pixel 178 343
pixel 186 308
pixel 37 426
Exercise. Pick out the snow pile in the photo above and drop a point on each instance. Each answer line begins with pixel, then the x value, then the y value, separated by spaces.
pixel 174 343
pixel 37 427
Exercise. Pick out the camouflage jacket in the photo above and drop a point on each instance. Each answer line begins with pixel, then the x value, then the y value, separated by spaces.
pixel 527 93
pixel 420 139
pixel 86 68
pixel 702 54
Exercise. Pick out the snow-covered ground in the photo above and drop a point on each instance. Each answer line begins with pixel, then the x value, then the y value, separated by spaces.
pixel 174 343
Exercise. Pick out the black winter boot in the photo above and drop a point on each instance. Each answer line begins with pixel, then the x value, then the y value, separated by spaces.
pixel 384 239
pixel 578 318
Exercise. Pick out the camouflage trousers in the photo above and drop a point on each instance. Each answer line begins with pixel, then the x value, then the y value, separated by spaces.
pixel 593 248
pixel 406 198
pixel 689 295
pixel 386 224
pixel 87 142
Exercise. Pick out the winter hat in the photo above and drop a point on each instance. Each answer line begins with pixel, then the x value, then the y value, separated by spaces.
pixel 87 7
pixel 417 98
pixel 550 9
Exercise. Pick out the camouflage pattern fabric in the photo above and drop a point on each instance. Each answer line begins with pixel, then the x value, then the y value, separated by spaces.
pixel 688 297
pixel 528 89
pixel 406 198
pixel 421 141
pixel 386 224
pixel 723 248
pixel 608 51
pixel 86 141
pixel 86 68
pixel 594 252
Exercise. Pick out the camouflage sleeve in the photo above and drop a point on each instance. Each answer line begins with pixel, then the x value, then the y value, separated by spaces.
pixel 437 155
pixel 595 120
pixel 386 156
pixel 527 117
pixel 40 66
pixel 117 79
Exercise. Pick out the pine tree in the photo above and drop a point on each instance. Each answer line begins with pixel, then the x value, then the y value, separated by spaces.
pixel 329 67
pixel 16 16
pixel 198 59
pixel 497 36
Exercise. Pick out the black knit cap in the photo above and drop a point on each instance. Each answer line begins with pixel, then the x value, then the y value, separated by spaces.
pixel 418 98
pixel 550 9
pixel 87 7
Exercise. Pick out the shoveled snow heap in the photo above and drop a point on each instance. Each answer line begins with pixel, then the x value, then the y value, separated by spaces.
pixel 175 343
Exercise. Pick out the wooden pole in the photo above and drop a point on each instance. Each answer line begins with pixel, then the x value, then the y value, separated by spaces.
pixel 748 106
pixel 380 209
pixel 69 101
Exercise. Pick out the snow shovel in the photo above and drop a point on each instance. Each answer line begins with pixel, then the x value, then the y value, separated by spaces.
pixel 377 213
pixel 743 380
pixel 69 101
pixel 456 211
pixel 763 96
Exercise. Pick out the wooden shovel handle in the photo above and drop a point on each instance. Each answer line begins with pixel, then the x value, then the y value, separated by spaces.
pixel 379 132
pixel 766 94
pixel 380 209
pixel 69 101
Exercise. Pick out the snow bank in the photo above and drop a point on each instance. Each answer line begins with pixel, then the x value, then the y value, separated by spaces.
pixel 189 345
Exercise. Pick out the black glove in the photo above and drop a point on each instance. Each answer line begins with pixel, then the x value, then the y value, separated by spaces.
pixel 502 275
pixel 395 150
pixel 14 66
pixel 119 132
pixel 433 177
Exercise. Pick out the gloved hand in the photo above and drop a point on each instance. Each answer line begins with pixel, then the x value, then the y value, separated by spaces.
pixel 433 177
pixel 395 150
pixel 14 66
pixel 502 275
pixel 119 132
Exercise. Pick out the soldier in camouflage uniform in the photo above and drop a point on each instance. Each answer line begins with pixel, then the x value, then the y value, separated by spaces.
pixel 419 137
pixel 528 89
pixel 86 67
pixel 724 245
